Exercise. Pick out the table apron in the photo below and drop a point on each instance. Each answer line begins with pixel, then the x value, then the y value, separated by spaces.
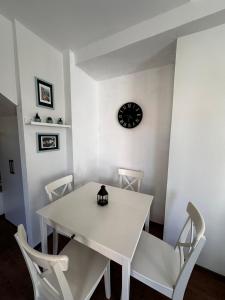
pixel 107 252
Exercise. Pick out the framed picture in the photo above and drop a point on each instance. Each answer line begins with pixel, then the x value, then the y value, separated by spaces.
pixel 47 142
pixel 44 91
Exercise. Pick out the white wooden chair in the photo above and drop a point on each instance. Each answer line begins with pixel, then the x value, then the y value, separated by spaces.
pixel 131 180
pixel 72 275
pixel 56 190
pixel 167 269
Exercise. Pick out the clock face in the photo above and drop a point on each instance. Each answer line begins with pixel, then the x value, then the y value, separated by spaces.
pixel 130 115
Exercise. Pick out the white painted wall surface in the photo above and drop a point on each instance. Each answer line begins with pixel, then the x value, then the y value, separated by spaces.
pixel 7 61
pixel 197 150
pixel 84 125
pixel 145 147
pixel 12 183
pixel 68 65
pixel 37 58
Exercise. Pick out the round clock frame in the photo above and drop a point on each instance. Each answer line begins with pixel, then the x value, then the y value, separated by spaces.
pixel 130 115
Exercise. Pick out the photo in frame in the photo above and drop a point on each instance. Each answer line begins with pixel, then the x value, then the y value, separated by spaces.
pixel 44 91
pixel 47 142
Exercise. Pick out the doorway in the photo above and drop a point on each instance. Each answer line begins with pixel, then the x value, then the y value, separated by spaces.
pixel 11 192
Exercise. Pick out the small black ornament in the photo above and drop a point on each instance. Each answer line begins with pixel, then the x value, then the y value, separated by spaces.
pixel 49 120
pixel 60 121
pixel 37 118
pixel 102 196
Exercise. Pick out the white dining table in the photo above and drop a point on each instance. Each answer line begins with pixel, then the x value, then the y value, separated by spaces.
pixel 112 230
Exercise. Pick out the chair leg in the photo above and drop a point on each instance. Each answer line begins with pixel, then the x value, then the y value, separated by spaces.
pixel 147 221
pixel 55 242
pixel 107 282
pixel 36 294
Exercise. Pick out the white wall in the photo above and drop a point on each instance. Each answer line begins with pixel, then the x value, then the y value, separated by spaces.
pixel 7 61
pixel 85 126
pixel 197 157
pixel 146 146
pixel 37 58
pixel 12 183
pixel 82 110
pixel 69 65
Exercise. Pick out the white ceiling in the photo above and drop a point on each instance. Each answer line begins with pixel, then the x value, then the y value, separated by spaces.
pixel 116 37
pixel 73 24
pixel 7 108
pixel 151 43
pixel 149 53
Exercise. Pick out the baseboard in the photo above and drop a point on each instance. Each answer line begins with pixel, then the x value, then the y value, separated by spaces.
pixel 156 224
pixel 213 273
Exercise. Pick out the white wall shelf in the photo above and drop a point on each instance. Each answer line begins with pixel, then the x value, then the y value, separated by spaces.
pixel 48 124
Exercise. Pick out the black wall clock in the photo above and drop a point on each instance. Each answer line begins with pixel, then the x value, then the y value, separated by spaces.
pixel 130 115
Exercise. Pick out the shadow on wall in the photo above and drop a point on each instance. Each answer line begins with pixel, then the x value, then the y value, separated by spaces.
pixel 10 164
pixel 0 182
pixel 7 108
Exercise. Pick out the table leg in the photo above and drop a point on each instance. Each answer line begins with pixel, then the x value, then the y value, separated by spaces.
pixel 55 241
pixel 125 281
pixel 107 281
pixel 147 221
pixel 44 236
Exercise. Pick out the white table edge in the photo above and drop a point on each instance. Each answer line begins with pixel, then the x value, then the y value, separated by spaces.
pixel 107 252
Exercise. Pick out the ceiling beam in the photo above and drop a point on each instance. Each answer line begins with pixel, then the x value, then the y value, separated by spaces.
pixel 171 20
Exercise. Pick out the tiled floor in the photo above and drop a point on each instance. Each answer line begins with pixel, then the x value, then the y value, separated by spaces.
pixel 15 283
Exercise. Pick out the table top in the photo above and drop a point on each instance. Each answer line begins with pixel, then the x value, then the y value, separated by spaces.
pixel 115 227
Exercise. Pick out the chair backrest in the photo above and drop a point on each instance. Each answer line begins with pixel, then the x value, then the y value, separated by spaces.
pixel 39 265
pixel 130 179
pixel 189 245
pixel 59 187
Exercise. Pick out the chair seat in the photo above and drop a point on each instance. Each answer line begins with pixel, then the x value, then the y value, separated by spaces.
pixel 86 268
pixel 156 264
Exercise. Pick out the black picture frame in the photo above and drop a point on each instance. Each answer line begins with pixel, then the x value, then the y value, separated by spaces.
pixel 44 93
pixel 47 142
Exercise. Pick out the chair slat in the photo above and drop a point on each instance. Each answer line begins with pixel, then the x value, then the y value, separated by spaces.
pixel 128 179
pixel 131 180
pixel 59 187
pixel 56 190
